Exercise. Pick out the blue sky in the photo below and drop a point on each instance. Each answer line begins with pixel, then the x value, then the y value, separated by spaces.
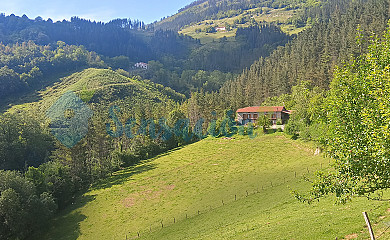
pixel 99 10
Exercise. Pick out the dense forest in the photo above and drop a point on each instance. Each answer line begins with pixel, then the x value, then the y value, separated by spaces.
pixel 311 56
pixel 115 38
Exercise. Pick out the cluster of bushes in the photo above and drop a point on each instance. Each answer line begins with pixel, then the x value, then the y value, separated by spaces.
pixel 23 208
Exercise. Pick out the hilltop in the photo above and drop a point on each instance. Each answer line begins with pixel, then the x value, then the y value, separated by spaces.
pixel 202 10
pixel 105 87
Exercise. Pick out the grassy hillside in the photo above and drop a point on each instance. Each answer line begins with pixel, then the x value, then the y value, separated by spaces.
pixel 201 10
pixel 214 189
pixel 103 86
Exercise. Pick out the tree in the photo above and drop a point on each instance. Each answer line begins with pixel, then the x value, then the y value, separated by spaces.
pixel 264 121
pixel 358 119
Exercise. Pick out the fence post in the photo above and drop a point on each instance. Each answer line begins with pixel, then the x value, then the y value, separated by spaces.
pixel 369 226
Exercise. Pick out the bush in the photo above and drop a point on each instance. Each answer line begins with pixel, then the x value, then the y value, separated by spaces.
pixel 292 128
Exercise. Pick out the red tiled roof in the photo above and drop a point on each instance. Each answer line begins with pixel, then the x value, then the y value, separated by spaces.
pixel 258 109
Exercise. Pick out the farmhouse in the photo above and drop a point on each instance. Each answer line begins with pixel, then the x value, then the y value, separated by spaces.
pixel 220 29
pixel 141 65
pixel 251 114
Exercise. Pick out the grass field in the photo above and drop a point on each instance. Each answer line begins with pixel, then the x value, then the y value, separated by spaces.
pixel 240 187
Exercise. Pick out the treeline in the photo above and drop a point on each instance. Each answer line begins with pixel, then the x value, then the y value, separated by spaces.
pixel 218 9
pixel 26 66
pixel 115 38
pixel 251 43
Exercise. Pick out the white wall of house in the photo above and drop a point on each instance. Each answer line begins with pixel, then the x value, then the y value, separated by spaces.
pixel 251 118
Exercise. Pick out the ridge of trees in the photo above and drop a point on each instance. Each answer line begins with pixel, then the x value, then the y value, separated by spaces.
pixel 218 9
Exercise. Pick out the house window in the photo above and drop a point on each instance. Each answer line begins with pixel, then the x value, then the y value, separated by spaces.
pixel 249 116
pixel 244 116
pixel 255 116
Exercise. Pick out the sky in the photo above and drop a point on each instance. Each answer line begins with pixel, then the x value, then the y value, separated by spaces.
pixel 98 10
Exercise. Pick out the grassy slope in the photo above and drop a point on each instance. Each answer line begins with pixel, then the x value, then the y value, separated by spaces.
pixel 103 84
pixel 199 177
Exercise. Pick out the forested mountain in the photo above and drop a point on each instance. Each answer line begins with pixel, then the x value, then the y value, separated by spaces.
pixel 312 55
pixel 250 44
pixel 115 38
pixel 217 9
pixel 34 50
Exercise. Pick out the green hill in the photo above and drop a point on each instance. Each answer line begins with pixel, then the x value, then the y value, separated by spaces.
pixel 105 87
pixel 214 189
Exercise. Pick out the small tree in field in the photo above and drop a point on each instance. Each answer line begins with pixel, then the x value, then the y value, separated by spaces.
pixel 359 127
pixel 264 121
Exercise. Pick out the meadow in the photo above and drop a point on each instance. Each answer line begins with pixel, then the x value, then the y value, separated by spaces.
pixel 217 188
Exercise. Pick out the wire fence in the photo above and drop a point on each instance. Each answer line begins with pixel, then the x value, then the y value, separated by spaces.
pixel 162 223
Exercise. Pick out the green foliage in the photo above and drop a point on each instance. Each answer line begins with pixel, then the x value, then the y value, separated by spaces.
pixel 22 210
pixel 264 122
pixel 210 29
pixel 26 66
pixel 23 142
pixel 248 45
pixel 358 118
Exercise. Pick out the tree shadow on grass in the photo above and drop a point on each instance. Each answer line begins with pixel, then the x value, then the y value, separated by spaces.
pixel 124 175
pixel 66 226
